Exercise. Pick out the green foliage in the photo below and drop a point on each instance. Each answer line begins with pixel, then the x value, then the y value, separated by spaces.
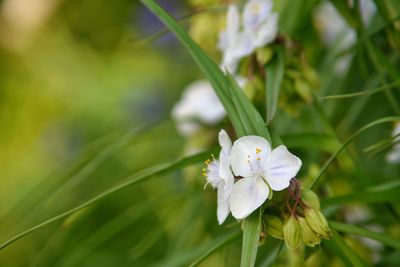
pixel 71 92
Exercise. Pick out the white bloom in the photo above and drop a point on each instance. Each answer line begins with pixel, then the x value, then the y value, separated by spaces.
pixel 394 155
pixel 220 176
pixel 234 43
pixel 199 105
pixel 262 169
pixel 260 22
pixel 260 27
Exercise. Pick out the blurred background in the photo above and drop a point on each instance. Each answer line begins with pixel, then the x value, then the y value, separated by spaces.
pixel 86 89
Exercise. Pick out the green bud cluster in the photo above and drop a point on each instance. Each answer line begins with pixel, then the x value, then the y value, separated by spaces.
pixel 310 199
pixel 292 232
pixel 304 225
pixel 317 222
pixel 274 226
pixel 309 229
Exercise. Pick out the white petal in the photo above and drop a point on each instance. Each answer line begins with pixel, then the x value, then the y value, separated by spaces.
pixel 240 46
pixel 255 12
pixel 396 131
pixel 224 141
pixel 232 23
pixel 225 174
pixel 223 205
pixel 223 41
pixel 267 32
pixel 187 128
pixel 394 155
pixel 244 154
pixel 368 10
pixel 280 168
pixel 247 195
pixel 229 63
pixel 241 80
pixel 199 102
pixel 224 158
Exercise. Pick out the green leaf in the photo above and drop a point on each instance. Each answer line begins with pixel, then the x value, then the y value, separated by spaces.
pixel 209 68
pixel 368 196
pixel 98 158
pixel 345 12
pixel 142 176
pixel 217 244
pixel 248 111
pixel 197 254
pixel 311 141
pixel 251 237
pixel 363 93
pixel 275 70
pixel 348 141
pixel 245 118
pixel 340 248
pixel 382 145
pixel 355 230
pixel 272 254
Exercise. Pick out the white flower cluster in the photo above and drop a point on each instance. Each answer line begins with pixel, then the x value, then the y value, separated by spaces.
pixel 257 169
pixel 199 103
pixel 259 28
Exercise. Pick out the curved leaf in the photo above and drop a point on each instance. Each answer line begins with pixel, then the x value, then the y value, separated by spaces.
pixel 142 176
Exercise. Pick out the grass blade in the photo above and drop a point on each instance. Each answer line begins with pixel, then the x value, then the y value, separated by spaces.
pixel 348 141
pixel 275 71
pixel 251 236
pixel 132 180
pixel 355 230
pixel 209 68
pixel 388 195
pixel 217 244
pixel 337 244
pixel 248 111
pixel 363 93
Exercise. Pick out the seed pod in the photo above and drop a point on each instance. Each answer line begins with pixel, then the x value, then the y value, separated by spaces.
pixel 317 222
pixel 274 226
pixel 310 198
pixel 310 238
pixel 291 233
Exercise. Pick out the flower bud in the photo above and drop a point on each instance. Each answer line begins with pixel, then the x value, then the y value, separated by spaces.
pixel 274 226
pixel 264 55
pixel 310 198
pixel 317 222
pixel 291 233
pixel 310 238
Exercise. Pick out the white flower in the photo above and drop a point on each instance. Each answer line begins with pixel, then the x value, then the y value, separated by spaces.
pixel 220 176
pixel 234 43
pixel 394 155
pixel 262 169
pixel 199 105
pixel 260 22
pixel 260 27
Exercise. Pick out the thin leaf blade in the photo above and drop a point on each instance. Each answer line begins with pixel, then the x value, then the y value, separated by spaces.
pixel 275 71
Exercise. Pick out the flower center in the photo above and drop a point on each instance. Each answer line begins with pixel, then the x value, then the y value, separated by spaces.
pixel 211 172
pixel 255 164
